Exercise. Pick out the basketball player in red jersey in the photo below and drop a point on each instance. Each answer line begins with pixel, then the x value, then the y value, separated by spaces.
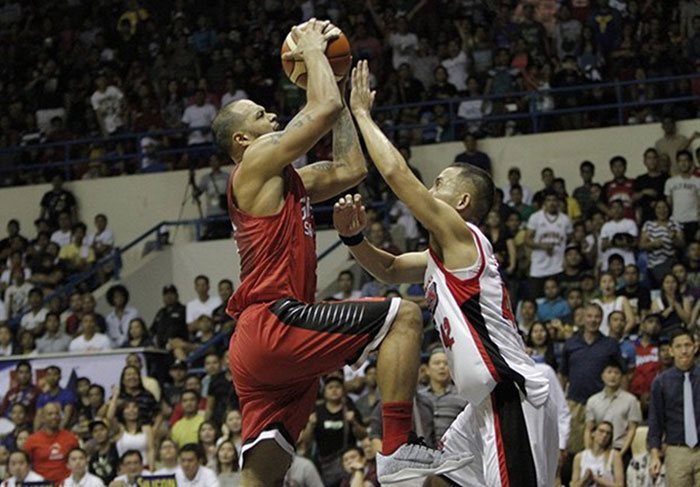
pixel 509 425
pixel 283 342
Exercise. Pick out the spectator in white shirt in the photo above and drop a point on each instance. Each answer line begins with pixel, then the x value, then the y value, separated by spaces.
pixel 19 466
pixel 17 293
pixel 456 65
pixel 167 455
pixel 65 230
pixel 33 319
pixel 683 194
pixel 203 304
pixel 121 315
pixel 79 476
pixel 201 114
pixel 610 244
pixel 404 44
pixel 346 289
pixel 109 106
pixel 131 463
pixel 514 178
pixel 102 240
pixel 191 473
pixel 90 340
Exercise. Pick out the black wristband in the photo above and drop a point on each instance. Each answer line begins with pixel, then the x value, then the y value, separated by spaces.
pixel 356 239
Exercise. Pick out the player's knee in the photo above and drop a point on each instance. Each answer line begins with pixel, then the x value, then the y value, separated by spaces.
pixel 409 317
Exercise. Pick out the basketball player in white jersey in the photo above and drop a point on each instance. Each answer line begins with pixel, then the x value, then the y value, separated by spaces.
pixel 510 424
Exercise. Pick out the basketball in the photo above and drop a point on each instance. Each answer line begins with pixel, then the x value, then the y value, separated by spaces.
pixel 338 53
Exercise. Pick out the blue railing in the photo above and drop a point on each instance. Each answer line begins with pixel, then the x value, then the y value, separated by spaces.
pixel 531 113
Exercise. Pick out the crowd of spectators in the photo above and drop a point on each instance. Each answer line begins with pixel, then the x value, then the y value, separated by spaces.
pixel 604 282
pixel 100 69
pixel 604 279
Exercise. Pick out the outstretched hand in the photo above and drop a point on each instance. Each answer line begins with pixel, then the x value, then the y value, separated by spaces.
pixel 349 216
pixel 361 97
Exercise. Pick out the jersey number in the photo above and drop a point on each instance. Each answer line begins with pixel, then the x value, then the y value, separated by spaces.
pixel 446 334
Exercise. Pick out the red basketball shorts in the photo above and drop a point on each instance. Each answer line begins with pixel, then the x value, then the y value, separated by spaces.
pixel 280 349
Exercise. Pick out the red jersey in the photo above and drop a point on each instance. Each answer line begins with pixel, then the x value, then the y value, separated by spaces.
pixel 646 367
pixel 277 252
pixel 621 190
pixel 49 453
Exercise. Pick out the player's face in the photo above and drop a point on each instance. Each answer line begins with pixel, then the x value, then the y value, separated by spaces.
pixel 445 188
pixel 260 122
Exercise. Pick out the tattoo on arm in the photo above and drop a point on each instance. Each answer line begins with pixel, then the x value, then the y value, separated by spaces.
pixel 344 136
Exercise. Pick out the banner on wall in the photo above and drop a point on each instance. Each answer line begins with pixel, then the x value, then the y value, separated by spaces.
pixel 103 368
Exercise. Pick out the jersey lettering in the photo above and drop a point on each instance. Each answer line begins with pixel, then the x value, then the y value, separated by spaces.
pixel 446 334
pixel 305 213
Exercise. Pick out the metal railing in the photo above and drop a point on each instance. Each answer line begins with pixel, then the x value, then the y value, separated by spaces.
pixel 73 151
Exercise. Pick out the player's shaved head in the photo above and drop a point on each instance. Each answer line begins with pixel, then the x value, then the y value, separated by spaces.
pixel 479 185
pixel 229 120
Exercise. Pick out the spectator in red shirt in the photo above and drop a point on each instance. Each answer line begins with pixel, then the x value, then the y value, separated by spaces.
pixel 48 448
pixel 646 359
pixel 24 392
pixel 620 187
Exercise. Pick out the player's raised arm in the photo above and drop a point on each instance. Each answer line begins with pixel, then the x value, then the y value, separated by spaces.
pixel 326 179
pixel 350 220
pixel 239 125
pixel 437 216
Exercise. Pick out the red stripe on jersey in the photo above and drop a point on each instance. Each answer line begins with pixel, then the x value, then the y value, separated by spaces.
pixel 462 290
pixel 506 307
pixel 502 466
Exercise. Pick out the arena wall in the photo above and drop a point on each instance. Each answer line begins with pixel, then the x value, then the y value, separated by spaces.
pixel 135 203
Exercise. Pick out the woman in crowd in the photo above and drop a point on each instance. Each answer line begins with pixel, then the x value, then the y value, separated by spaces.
pixel 660 238
pixel 131 434
pixel 207 440
pixel 540 345
pixel 131 387
pixel 118 319
pixel 231 429
pixel 138 335
pixel 167 457
pixel 599 465
pixel 227 464
pixel 674 308
pixel 610 302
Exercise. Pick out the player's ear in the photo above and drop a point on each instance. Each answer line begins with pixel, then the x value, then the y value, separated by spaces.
pixel 241 138
pixel 463 202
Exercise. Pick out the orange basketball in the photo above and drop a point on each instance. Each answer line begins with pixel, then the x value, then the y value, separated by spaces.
pixel 338 54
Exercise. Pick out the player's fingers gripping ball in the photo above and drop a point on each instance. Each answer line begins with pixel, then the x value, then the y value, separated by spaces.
pixel 337 51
